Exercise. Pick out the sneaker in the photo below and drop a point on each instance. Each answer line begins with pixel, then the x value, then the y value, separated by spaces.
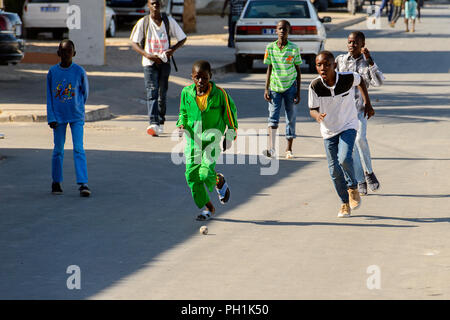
pixel 362 188
pixel 289 155
pixel 153 130
pixel 372 181
pixel 56 188
pixel 345 211
pixel 269 153
pixel 160 129
pixel 84 191
pixel 223 191
pixel 354 198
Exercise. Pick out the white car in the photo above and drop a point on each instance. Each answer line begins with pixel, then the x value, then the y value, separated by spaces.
pixel 256 28
pixel 51 15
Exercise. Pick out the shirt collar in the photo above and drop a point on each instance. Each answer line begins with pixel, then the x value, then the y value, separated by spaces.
pixel 349 57
pixel 335 83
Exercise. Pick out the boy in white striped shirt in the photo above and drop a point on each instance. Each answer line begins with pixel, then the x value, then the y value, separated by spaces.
pixel 282 83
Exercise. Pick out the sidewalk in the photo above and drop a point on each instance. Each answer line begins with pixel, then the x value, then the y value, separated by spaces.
pixel 209 42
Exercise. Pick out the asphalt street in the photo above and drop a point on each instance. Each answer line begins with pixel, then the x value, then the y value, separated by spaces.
pixel 279 237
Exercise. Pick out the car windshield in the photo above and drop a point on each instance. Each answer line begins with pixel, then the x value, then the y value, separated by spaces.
pixel 277 9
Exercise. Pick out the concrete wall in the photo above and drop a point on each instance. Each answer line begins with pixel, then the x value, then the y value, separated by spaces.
pixel 89 34
pixel 211 7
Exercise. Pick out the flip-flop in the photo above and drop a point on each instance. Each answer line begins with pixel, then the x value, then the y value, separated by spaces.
pixel 204 216
pixel 224 192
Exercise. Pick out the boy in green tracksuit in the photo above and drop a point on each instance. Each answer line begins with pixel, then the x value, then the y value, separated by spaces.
pixel 205 113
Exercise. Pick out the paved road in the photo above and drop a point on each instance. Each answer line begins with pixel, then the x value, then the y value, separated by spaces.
pixel 279 237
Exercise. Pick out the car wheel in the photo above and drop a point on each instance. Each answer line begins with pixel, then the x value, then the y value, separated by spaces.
pixel 112 28
pixel 241 63
pixel 58 35
pixel 30 33
pixel 249 62
pixel 312 64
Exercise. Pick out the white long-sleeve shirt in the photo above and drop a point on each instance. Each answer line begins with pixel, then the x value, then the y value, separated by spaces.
pixel 371 75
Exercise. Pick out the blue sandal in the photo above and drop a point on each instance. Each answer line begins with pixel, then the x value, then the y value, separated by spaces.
pixel 224 192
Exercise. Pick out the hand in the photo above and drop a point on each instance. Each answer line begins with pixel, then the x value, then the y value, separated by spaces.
pixel 153 58
pixel 267 96
pixel 368 111
pixel 170 53
pixel 226 144
pixel 53 124
pixel 157 60
pixel 320 117
pixel 366 53
pixel 297 98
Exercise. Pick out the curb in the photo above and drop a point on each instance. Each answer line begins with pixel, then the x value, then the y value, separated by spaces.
pixel 96 113
pixel 230 67
pixel 344 24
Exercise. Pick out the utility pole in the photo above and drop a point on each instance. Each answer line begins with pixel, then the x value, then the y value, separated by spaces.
pixel 189 13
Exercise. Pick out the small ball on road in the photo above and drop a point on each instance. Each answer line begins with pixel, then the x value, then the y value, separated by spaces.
pixel 204 230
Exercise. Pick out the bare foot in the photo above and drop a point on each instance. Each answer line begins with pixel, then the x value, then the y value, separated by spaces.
pixel 413 30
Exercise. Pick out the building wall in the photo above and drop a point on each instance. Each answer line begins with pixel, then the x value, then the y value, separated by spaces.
pixel 90 38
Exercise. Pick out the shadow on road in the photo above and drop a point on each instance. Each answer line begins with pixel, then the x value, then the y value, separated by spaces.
pixel 140 207
pixel 305 224
pixel 418 220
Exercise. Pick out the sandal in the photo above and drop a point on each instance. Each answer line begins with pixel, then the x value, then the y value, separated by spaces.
pixel 224 192
pixel 204 216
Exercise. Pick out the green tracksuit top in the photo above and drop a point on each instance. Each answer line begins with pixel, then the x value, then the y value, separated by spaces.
pixel 204 131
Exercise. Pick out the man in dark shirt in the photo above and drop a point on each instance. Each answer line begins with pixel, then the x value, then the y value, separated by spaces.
pixel 236 7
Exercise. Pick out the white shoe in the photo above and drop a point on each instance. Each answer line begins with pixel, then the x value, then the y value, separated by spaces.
pixel 160 129
pixel 153 130
pixel 289 155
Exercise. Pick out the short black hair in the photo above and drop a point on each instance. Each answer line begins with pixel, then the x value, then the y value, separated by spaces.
pixel 359 35
pixel 67 41
pixel 202 65
pixel 285 22
pixel 327 54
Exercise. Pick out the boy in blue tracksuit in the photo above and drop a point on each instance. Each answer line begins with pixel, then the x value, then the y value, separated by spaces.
pixel 67 92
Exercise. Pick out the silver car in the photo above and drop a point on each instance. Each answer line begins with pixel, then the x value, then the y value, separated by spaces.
pixel 257 24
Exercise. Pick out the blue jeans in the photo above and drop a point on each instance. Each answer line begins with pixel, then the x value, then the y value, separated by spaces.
pixel 156 79
pixel 340 163
pixel 362 161
pixel 79 157
pixel 275 108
